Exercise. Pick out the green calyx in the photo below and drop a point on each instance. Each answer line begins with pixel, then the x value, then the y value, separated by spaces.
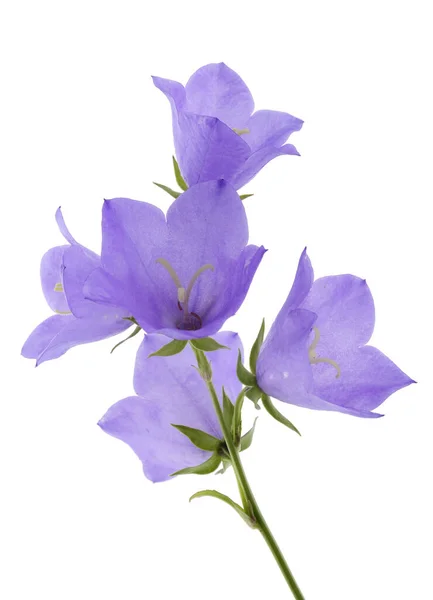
pixel 170 349
pixel 179 180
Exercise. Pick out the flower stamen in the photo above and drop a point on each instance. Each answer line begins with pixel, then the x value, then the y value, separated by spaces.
pixel 314 360
pixel 190 320
pixel 58 287
pixel 241 131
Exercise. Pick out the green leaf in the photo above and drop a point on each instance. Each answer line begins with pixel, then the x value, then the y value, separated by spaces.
pixel 134 333
pixel 214 494
pixel 244 196
pixel 199 438
pixel 172 193
pixel 237 417
pixel 205 468
pixel 276 414
pixel 256 348
pixel 228 409
pixel 179 179
pixel 247 439
pixel 243 374
pixel 173 347
pixel 207 344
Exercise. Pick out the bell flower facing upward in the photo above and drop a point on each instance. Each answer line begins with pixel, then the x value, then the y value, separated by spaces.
pixel 216 133
pixel 64 270
pixel 170 391
pixel 315 354
pixel 182 275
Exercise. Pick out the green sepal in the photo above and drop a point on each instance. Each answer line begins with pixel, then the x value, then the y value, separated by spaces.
pixel 276 413
pixel 179 179
pixel 172 193
pixel 228 409
pixel 207 344
pixel 243 374
pixel 205 468
pixel 226 465
pixel 204 366
pixel 254 394
pixel 199 438
pixel 170 349
pixel 131 335
pixel 256 348
pixel 214 494
pixel 246 440
pixel 237 417
pixel 245 196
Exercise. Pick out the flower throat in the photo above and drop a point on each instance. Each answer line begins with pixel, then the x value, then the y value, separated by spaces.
pixel 190 321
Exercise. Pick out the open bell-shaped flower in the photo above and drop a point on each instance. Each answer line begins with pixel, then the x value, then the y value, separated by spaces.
pixel 315 354
pixel 216 133
pixel 181 275
pixel 64 269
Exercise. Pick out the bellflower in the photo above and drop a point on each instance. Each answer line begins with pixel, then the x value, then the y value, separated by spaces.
pixel 216 133
pixel 316 355
pixel 171 392
pixel 182 275
pixel 77 320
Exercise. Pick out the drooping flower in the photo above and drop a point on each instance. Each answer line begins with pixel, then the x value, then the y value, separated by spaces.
pixel 315 354
pixel 183 275
pixel 170 392
pixel 216 133
pixel 64 270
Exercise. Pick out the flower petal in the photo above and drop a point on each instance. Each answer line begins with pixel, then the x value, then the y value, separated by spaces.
pixel 345 309
pixel 143 425
pixel 283 366
pixel 63 229
pixel 216 90
pixel 207 149
pixel 270 128
pixel 257 161
pixel 78 263
pixel 367 378
pixel 57 334
pixel 52 279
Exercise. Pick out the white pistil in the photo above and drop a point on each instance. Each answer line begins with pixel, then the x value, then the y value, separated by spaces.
pixel 240 131
pixel 314 360
pixel 182 293
pixel 63 312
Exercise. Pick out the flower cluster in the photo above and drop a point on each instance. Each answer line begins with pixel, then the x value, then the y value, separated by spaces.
pixel 178 277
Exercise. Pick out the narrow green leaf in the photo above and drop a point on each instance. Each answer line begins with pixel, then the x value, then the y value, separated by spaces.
pixel 207 344
pixel 134 333
pixel 228 409
pixel 244 375
pixel 237 417
pixel 173 347
pixel 199 438
pixel 276 414
pixel 247 439
pixel 256 348
pixel 244 196
pixel 172 193
pixel 179 179
pixel 204 469
pixel 214 494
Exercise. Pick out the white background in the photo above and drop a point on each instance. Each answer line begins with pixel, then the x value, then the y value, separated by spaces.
pixel 350 501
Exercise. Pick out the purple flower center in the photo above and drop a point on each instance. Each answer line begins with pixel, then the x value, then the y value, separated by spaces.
pixel 189 321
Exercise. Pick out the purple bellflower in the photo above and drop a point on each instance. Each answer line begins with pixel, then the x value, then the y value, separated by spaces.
pixel 315 354
pixel 64 270
pixel 216 133
pixel 182 275
pixel 171 392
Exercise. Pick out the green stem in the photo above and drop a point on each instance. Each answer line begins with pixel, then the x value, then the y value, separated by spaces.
pixel 246 493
